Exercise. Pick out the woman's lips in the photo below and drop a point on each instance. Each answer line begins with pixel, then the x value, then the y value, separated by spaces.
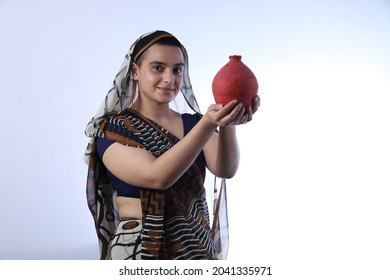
pixel 166 90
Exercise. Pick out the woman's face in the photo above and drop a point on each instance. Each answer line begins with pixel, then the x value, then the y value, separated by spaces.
pixel 160 74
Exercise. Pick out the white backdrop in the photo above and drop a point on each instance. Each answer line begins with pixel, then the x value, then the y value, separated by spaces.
pixel 311 189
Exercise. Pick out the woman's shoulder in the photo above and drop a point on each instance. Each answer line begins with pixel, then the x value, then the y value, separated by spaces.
pixel 125 118
pixel 189 121
pixel 191 117
pixel 122 127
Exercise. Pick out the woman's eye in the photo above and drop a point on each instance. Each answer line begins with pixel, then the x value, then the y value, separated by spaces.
pixel 158 68
pixel 178 70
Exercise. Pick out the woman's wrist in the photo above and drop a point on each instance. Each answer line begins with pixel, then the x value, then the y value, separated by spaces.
pixel 208 124
pixel 228 130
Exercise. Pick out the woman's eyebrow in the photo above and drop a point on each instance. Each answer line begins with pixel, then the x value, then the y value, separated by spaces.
pixel 163 63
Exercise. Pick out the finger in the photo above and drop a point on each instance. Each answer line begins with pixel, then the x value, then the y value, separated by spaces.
pixel 240 118
pixel 233 117
pixel 229 111
pixel 255 104
pixel 250 114
pixel 229 107
pixel 245 119
pixel 215 107
pixel 237 111
pixel 241 115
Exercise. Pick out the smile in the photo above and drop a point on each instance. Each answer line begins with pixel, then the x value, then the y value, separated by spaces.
pixel 166 89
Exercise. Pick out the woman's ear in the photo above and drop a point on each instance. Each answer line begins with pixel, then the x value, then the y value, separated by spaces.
pixel 134 70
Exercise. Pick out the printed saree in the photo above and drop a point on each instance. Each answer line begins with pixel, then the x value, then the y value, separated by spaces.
pixel 175 222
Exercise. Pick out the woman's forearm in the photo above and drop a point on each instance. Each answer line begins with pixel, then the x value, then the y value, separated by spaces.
pixel 172 164
pixel 228 155
pixel 138 167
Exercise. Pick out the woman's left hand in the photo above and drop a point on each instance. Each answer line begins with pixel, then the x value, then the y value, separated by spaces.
pixel 255 106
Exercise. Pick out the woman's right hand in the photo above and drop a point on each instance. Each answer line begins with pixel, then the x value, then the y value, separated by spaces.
pixel 233 113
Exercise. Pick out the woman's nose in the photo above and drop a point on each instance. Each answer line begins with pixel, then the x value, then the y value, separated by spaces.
pixel 168 77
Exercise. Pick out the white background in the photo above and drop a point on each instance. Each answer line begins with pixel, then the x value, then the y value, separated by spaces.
pixel 310 197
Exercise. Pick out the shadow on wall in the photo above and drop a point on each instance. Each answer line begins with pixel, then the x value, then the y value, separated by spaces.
pixel 80 253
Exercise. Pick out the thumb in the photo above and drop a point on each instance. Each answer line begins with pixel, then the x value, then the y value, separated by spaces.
pixel 218 106
pixel 215 107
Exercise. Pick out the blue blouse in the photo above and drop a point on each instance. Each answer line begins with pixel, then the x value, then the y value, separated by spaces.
pixel 127 190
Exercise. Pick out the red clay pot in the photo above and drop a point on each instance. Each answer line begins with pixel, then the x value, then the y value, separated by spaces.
pixel 235 81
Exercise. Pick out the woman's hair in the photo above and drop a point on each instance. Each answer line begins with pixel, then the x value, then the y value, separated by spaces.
pixel 166 41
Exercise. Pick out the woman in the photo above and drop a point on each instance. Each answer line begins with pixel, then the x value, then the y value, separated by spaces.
pixel 147 161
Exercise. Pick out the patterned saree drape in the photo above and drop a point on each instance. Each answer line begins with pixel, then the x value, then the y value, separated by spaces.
pixel 175 222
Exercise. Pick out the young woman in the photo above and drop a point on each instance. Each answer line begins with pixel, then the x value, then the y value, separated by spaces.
pixel 147 162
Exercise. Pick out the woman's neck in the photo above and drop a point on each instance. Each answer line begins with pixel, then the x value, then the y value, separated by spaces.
pixel 153 111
